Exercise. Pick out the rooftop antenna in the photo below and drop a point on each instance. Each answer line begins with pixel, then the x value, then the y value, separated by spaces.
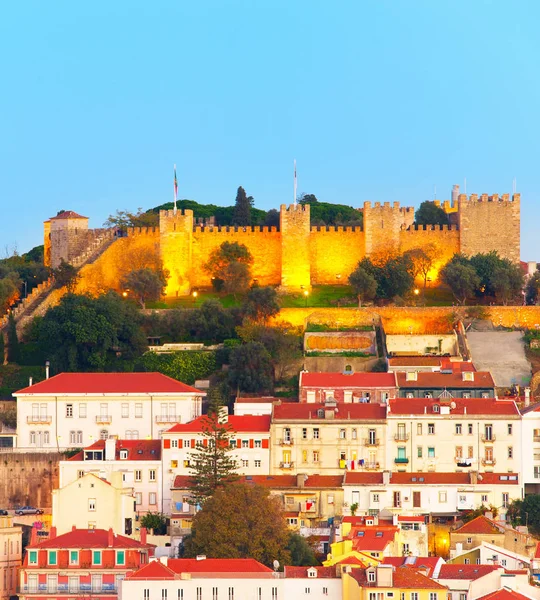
pixel 295 182
pixel 175 189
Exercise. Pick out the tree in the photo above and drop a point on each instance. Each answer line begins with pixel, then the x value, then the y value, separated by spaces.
pixel 90 334
pixel 461 277
pixel 211 465
pixel 10 286
pixel 155 522
pixel 302 554
pixel 430 214
pixel 396 277
pixel 240 521
pixel 486 267
pixel 242 208
pixel 14 349
pixel 2 348
pixel 261 304
pixel 308 199
pixel 123 219
pixel 230 267
pixel 479 512
pixel 272 218
pixel 146 284
pixel 363 284
pixel 507 282
pixel 250 368
pixel 422 260
pixel 66 275
pixel 211 323
pixel 532 288
pixel 526 512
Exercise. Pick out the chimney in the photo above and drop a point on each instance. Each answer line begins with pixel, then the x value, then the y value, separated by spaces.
pixel 33 536
pixel 30 381
pixel 488 514
pixel 386 476
pixel 164 560
pixel 143 536
pixel 411 376
pixel 473 477
pixel 52 533
pixel 110 449
pixel 300 480
pixel 47 367
pixel 527 396
pixel 73 528
pixel 110 538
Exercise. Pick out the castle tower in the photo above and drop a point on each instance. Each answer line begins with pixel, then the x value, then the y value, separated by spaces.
pixel 295 228
pixel 488 223
pixel 382 224
pixel 176 239
pixel 65 237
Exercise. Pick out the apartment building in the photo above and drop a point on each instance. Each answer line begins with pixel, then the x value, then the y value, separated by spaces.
pixel 447 382
pixel 347 387
pixel 74 410
pixel 10 556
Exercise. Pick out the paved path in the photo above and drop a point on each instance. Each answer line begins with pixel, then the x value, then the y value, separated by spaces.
pixel 502 353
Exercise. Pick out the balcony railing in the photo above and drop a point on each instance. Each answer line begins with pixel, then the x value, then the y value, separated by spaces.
pixel 61 590
pixel 488 438
pixel 489 461
pixel 43 420
pixel 372 442
pixel 372 466
pixel 401 461
pixel 286 465
pixel 104 419
pixel 166 419
pixel 401 437
pixel 286 442
pixel 463 462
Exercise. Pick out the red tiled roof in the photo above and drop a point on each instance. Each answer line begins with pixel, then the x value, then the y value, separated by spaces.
pixel 67 214
pixel 450 571
pixel 351 560
pixel 153 570
pixel 353 380
pixel 305 411
pixel 239 423
pixel 413 562
pixel 137 449
pixel 109 383
pixel 458 366
pixel 480 525
pixel 482 379
pixel 428 478
pixel 504 594
pixel 468 406
pixel 402 578
pixel 89 538
pixel 217 565
pixel 372 538
pixel 182 482
pixel 301 572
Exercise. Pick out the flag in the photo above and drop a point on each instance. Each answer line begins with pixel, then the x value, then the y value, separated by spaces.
pixel 175 184
pixel 295 182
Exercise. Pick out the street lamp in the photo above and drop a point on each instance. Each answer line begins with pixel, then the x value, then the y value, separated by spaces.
pixel 306 294
pixel 194 294
pixel 25 289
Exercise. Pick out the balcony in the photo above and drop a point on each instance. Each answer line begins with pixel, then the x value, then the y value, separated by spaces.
pixel 43 420
pixel 167 419
pixel 372 466
pixel 489 462
pixel 401 461
pixel 83 591
pixel 104 419
pixel 372 442
pixel 488 438
pixel 401 437
pixel 463 462
pixel 286 465
pixel 286 442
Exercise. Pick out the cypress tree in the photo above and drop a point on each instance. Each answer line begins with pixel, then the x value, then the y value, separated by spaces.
pixel 242 208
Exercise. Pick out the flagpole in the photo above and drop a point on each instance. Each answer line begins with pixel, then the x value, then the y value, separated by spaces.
pixel 295 182
pixel 175 189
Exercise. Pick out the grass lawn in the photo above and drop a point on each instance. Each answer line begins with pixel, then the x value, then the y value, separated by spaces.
pixel 191 302
pixel 321 295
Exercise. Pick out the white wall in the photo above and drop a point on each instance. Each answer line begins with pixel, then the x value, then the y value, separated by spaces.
pixel 417 344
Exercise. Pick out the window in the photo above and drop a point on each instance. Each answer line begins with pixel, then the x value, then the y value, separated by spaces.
pixel 199 593
pixel 488 432
pixel 152 498
pixel 174 443
pixel 537 472
pixel 419 451
pixel 325 591
pixel 186 443
pixel 123 454
pixel 138 475
pixel 459 451
pixel 82 410
pixel 458 428
pixel 315 456
pixel 304 433
pixel 233 443
pixel 80 474
pixel 315 437
pixel 431 452
pixel 308 590
pixel 510 452
pixel 509 428
pixel 138 497
pixel 371 576
pixel 484 498
pixel 505 499
pixel 414 595
pixel 180 594
pixel 245 462
pixel 103 434
pixel 32 557
pixel 32 437
pixel 404 549
pixel 433 595
pixel 463 597
pixel 120 557
pixel 258 444
pixel 431 428
pixel 257 463
pixel 91 504
pixel 467 561
pixel 69 411
pixel 354 434
pixel 138 410
pixel 375 498
pixel 231 593
pixel 401 452
pixel 96 557
pixel 152 475
pixel 125 410
pixel 342 434
pixel 470 452
pixel 274 593
pixel 245 443
pixel 469 540
pixel 503 562
pixel 372 437
pixel 442 497
pixel 214 593
pixel 73 557
pixel 419 428
pixel 53 558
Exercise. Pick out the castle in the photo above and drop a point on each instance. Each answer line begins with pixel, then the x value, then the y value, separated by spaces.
pixel 296 255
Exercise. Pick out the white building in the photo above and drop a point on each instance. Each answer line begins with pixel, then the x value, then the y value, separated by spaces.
pixel 530 446
pixel 10 557
pixel 250 440
pixel 73 410
pixel 138 461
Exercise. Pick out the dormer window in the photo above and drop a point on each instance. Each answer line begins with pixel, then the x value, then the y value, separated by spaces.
pixel 123 454
pixel 436 408
pixel 312 572
pixel 468 375
pixel 320 413
pixel 371 576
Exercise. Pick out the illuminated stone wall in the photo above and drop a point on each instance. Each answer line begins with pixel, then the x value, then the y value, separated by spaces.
pixel 334 253
pixel 295 247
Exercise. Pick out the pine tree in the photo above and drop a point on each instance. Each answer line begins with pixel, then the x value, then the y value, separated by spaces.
pixel 212 465
pixel 14 350
pixel 242 209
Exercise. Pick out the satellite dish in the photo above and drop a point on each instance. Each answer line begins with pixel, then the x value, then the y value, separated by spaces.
pixel 452 405
pixel 276 565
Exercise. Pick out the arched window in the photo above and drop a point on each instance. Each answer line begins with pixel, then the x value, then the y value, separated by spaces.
pixel 348 368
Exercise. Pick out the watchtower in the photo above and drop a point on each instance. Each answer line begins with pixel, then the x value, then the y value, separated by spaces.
pixel 176 240
pixel 294 225
pixel 65 237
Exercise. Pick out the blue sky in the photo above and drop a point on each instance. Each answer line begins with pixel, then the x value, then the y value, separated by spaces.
pixel 377 100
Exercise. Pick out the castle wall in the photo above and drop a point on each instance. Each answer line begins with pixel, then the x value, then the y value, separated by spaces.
pixel 264 243
pixel 489 223
pixel 382 226
pixel 334 251
pixel 47 243
pixel 295 247
pixel 176 246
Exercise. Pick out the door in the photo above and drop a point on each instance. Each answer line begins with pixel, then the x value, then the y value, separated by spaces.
pixel 96 583
pixel 372 437
pixel 32 584
pixel 73 583
pixel 397 499
pixel 417 499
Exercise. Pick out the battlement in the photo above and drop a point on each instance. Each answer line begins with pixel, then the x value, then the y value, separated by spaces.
pixel 336 229
pixel 486 198
pixel 413 228
pixel 131 231
pixel 187 212
pixel 294 208
pixel 234 229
